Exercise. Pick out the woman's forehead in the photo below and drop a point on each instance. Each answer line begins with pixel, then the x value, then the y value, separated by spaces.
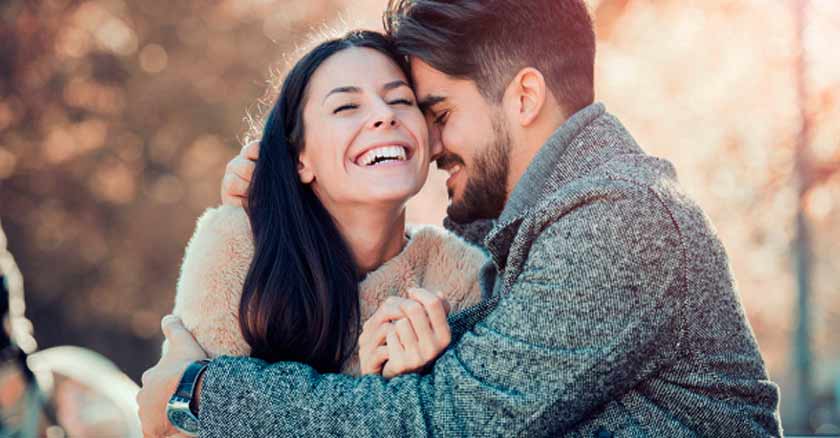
pixel 359 67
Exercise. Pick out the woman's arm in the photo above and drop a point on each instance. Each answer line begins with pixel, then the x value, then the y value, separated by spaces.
pixel 212 275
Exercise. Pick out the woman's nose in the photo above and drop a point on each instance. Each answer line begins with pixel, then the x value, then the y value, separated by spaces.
pixel 383 121
pixel 385 116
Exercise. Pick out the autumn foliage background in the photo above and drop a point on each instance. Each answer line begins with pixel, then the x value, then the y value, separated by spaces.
pixel 117 119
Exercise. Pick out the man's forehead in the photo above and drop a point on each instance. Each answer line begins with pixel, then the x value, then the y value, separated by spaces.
pixel 430 85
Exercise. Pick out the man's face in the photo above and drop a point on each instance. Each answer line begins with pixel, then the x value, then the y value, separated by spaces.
pixel 469 140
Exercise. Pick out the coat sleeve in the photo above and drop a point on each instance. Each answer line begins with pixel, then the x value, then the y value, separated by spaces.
pixel 213 272
pixel 580 325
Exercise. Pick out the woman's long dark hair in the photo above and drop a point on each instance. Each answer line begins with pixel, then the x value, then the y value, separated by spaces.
pixel 300 301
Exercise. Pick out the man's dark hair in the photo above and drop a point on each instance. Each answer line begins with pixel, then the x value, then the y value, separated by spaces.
pixel 489 41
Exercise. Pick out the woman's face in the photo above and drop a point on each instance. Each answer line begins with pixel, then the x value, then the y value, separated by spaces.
pixel 365 139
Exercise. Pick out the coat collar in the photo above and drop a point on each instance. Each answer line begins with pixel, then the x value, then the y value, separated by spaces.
pixel 577 146
pixel 529 189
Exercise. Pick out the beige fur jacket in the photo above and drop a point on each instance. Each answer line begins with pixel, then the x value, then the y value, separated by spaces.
pixel 220 251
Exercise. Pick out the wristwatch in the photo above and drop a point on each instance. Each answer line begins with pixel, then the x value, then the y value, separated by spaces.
pixel 179 409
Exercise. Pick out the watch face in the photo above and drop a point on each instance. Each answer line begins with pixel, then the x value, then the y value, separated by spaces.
pixel 179 414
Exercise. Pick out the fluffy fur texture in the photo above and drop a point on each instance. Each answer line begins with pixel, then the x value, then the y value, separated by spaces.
pixel 220 251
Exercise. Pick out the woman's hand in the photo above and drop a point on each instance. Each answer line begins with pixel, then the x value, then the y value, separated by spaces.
pixel 404 335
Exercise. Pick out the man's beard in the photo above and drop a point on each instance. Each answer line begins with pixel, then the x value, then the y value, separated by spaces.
pixel 486 188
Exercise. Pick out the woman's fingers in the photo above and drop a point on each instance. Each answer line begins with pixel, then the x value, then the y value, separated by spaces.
pixel 408 339
pixel 393 366
pixel 372 350
pixel 374 337
pixel 437 308
pixel 414 330
pixel 389 310
pixel 374 361
pixel 380 356
pixel 421 329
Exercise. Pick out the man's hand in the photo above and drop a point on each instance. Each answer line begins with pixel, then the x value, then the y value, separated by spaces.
pixel 404 335
pixel 160 381
pixel 238 174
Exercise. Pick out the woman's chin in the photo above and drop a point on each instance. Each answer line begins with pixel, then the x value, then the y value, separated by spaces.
pixel 393 193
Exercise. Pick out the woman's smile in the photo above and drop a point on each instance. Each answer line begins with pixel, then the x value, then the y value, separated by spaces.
pixel 387 154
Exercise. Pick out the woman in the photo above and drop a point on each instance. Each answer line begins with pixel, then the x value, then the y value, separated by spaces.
pixel 324 242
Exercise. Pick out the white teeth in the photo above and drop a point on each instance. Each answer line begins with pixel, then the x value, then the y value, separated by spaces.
pixel 392 152
pixel 454 169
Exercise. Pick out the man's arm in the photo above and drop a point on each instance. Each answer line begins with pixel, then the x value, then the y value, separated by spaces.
pixel 582 324
pixel 238 174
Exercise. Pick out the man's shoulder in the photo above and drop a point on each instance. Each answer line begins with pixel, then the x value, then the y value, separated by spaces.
pixel 631 205
pixel 637 185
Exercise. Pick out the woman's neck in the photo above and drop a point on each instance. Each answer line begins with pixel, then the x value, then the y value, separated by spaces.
pixel 375 234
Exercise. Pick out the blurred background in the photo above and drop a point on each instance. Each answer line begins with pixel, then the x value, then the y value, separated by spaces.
pixel 117 119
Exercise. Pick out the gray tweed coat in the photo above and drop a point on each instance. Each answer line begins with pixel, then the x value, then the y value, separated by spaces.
pixel 608 309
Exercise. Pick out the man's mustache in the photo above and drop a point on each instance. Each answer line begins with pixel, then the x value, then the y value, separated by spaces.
pixel 448 160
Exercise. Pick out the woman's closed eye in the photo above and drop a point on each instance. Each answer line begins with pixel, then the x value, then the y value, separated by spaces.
pixel 407 102
pixel 352 106
pixel 349 106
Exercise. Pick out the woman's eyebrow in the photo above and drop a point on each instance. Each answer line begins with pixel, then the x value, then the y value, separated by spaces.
pixel 347 89
pixel 395 84
pixel 351 89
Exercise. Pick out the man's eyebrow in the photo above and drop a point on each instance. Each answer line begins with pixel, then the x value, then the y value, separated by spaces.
pixel 342 90
pixel 429 101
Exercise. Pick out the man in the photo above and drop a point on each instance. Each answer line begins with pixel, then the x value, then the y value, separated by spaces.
pixel 609 306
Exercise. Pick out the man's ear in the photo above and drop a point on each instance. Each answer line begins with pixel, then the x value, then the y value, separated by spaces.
pixel 307 175
pixel 527 95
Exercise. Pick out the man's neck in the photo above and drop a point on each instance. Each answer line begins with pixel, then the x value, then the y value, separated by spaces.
pixel 528 145
pixel 538 165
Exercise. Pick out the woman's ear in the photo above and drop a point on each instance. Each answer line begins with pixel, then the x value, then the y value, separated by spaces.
pixel 305 169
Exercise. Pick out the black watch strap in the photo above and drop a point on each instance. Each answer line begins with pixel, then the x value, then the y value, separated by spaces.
pixel 190 378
